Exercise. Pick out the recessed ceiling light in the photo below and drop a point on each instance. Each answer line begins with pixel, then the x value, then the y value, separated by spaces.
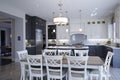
pixel 96 8
pixel 37 5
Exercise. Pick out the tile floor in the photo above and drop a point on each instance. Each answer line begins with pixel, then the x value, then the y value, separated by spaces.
pixel 12 72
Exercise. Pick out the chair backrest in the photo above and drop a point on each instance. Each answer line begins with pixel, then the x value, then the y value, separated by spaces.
pixel 22 55
pixel 53 64
pixel 35 64
pixel 81 52
pixel 64 52
pixel 108 61
pixel 77 65
pixel 50 52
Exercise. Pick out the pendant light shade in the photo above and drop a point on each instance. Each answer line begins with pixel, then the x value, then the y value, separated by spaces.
pixel 60 20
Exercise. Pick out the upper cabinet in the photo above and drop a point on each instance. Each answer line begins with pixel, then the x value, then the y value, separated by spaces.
pixel 33 23
pixel 28 27
pixel 117 22
pixel 51 31
pixel 39 23
pixel 97 29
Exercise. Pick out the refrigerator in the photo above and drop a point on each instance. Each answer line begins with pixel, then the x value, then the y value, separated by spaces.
pixel 39 41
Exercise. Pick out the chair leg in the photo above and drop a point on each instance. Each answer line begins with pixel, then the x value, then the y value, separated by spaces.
pixel 90 77
pixel 21 77
pixel 41 77
pixel 97 78
pixel 66 77
pixel 30 77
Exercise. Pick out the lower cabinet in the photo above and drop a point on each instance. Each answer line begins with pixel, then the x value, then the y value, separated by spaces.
pixel 97 50
pixel 31 50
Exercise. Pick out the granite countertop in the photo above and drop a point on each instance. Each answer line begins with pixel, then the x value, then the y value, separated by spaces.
pixel 68 47
pixel 111 46
pixel 30 46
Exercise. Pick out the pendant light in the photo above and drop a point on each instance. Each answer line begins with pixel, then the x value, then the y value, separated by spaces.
pixel 60 20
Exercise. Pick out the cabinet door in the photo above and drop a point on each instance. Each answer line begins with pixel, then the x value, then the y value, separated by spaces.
pixel 39 23
pixel 28 27
pixel 51 31
pixel 97 31
pixel 96 50
pixel 100 51
pixel 92 51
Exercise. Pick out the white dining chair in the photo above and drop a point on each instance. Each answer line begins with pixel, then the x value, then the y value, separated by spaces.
pixel 49 51
pixel 64 52
pixel 22 55
pixel 103 71
pixel 54 68
pixel 35 64
pixel 77 67
pixel 81 52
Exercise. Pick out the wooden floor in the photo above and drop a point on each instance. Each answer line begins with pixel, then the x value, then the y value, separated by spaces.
pixel 12 72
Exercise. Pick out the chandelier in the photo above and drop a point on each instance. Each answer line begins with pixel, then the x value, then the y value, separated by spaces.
pixel 60 20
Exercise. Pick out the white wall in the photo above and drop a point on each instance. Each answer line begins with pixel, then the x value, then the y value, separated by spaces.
pixel 18 28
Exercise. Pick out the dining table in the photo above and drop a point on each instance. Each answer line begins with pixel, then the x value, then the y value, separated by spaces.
pixel 94 62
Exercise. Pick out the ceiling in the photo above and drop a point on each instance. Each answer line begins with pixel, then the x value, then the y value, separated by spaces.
pixel 45 8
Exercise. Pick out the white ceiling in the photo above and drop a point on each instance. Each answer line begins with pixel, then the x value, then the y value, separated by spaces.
pixel 45 8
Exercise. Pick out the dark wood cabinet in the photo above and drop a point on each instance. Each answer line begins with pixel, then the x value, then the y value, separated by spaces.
pixel 51 31
pixel 34 23
pixel 97 50
pixel 28 27
pixel 92 51
pixel 39 23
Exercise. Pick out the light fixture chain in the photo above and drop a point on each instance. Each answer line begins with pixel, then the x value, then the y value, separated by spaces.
pixel 60 20
pixel 80 17
pixel 60 5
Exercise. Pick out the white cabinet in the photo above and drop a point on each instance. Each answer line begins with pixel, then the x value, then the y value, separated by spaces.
pixel 117 22
pixel 96 31
pixel 93 31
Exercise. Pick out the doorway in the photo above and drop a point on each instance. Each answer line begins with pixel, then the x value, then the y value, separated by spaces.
pixel 5 42
pixel 3 39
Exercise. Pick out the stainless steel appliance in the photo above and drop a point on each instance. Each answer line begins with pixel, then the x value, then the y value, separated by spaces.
pixel 39 41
